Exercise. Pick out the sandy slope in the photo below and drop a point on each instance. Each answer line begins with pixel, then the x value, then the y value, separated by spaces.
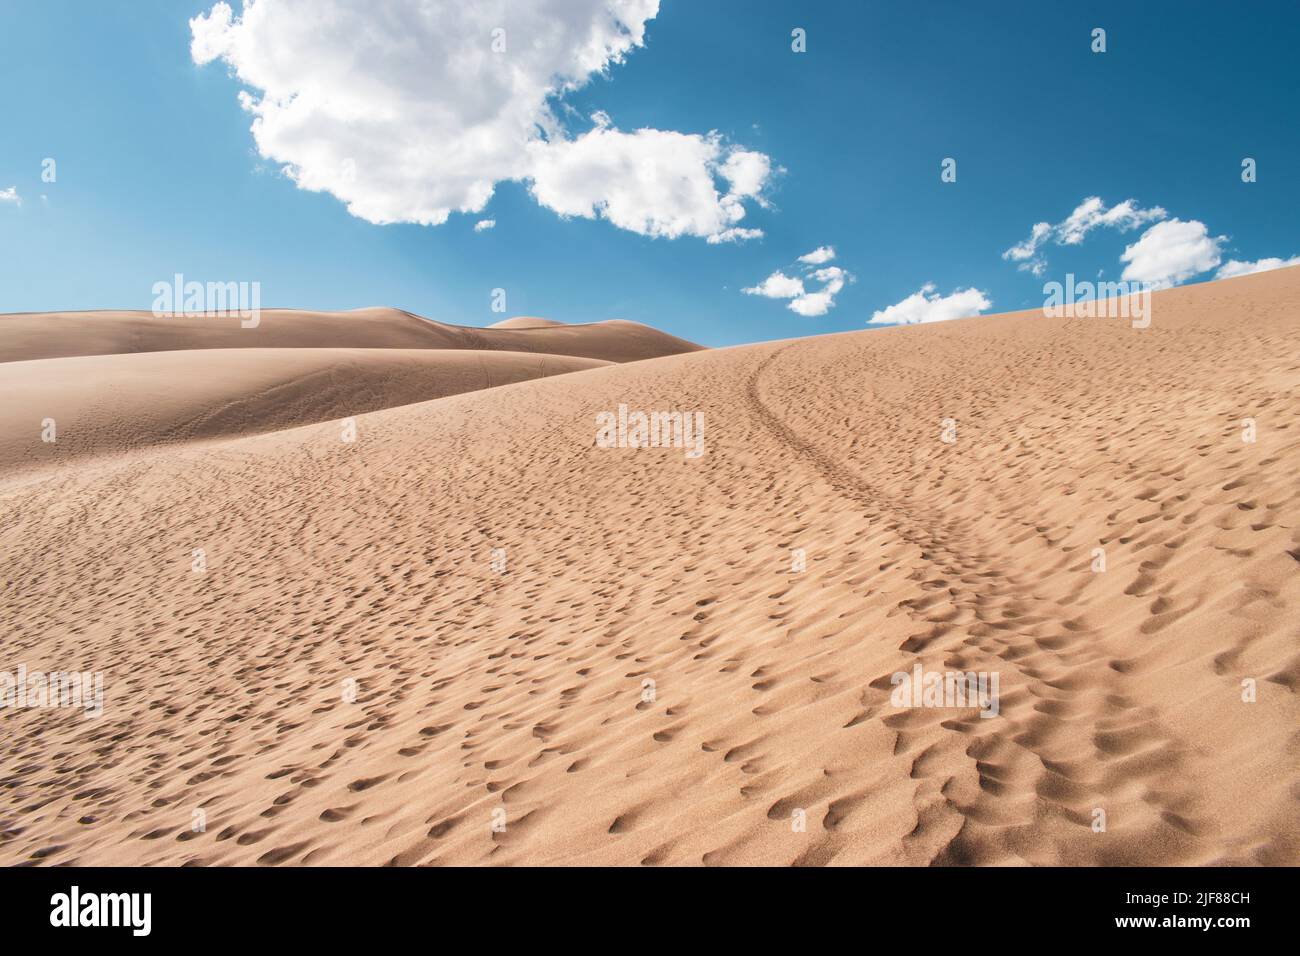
pixel 521 697
pixel 103 404
pixel 38 335
pixel 525 322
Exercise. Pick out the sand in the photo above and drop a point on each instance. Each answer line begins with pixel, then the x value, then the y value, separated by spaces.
pixel 351 679
pixel 103 404
pixel 40 335
pixel 525 322
pixel 118 381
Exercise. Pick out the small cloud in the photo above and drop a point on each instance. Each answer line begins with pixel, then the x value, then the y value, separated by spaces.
pixel 484 224
pixel 1090 214
pixel 657 183
pixel 735 234
pixel 927 305
pixel 11 195
pixel 1026 253
pixel 802 301
pixel 1235 267
pixel 777 286
pixel 749 173
pixel 1171 252
pixel 211 34
pixel 818 256
pixel 813 303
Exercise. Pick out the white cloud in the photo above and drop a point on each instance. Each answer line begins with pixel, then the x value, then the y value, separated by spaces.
pixel 807 303
pixel 1092 212
pixel 210 33
pixel 823 300
pixel 777 286
pixel 1171 252
pixel 928 306
pixel 748 172
pixel 1235 267
pixel 11 195
pixel 1027 252
pixel 831 275
pixel 484 224
pixel 819 255
pixel 1070 231
pixel 406 112
pixel 653 182
pixel 734 234
pixel 813 303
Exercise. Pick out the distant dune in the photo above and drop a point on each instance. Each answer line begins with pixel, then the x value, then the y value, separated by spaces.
pixel 113 381
pixel 41 335
pixel 104 404
pixel 474 636
pixel 525 322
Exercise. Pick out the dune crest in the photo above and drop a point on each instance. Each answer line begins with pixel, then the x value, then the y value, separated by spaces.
pixel 525 322
pixel 38 335
pixel 97 383
pixel 108 404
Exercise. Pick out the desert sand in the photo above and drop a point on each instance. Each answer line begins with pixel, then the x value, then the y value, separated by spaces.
pixel 41 335
pixel 356 678
pixel 115 403
pixel 118 381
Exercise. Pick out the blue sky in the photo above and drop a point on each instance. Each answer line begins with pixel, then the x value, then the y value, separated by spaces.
pixel 157 172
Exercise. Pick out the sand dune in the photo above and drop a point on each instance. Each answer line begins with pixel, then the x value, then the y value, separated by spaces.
pixel 525 322
pixel 651 680
pixel 41 335
pixel 103 404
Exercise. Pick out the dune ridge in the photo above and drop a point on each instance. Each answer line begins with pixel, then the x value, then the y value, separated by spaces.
pixel 115 381
pixel 108 404
pixel 524 322
pixel 474 637
pixel 39 335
